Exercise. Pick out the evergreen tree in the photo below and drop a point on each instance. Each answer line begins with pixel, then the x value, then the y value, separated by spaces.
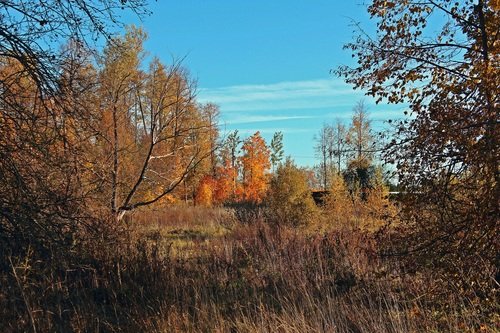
pixel 277 152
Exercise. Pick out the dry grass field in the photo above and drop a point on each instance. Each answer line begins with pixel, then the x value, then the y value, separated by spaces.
pixel 190 269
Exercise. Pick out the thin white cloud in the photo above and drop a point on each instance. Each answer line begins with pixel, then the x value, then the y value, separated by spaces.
pixel 247 119
pixel 269 131
pixel 310 94
pixel 378 113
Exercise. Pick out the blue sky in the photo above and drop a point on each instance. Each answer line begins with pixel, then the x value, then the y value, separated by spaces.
pixel 266 63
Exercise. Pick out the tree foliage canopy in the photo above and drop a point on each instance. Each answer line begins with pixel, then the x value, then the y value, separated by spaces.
pixel 31 32
pixel 290 199
pixel 447 152
pixel 276 146
pixel 255 163
pixel 83 140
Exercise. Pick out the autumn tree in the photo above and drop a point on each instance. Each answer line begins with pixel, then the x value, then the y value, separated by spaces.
pixel 289 200
pixel 447 152
pixel 204 118
pixel 324 151
pixel 222 186
pixel 31 32
pixel 120 79
pixel 226 176
pixel 211 114
pixel 47 118
pixel 332 148
pixel 255 163
pixel 226 186
pixel 39 182
pixel 153 133
pixel 339 202
pixel 205 191
pixel 229 157
pixel 360 140
pixel 337 149
pixel 379 207
pixel 360 147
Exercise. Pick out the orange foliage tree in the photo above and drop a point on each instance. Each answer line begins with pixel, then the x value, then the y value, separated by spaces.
pixel 224 183
pixel 205 191
pixel 153 136
pixel 256 164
